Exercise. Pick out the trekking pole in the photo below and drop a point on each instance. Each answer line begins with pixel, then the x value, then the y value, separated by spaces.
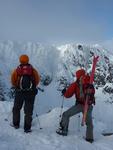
pixel 78 122
pixel 37 116
pixel 39 122
pixel 61 107
pixel 40 89
pixel 8 116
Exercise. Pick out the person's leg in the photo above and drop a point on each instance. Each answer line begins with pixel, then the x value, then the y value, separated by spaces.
pixel 28 110
pixel 18 102
pixel 89 124
pixel 67 114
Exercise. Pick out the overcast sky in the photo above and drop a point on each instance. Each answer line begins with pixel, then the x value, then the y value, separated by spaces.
pixel 56 20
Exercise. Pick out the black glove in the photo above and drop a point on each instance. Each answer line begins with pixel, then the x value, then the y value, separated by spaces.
pixel 63 91
pixel 36 91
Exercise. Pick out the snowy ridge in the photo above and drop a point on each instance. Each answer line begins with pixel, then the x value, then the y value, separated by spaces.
pixel 49 59
pixel 46 138
pixel 59 63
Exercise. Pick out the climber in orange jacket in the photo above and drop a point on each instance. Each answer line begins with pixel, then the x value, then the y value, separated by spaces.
pixel 25 78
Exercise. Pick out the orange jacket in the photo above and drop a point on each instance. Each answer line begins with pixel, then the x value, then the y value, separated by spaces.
pixel 15 78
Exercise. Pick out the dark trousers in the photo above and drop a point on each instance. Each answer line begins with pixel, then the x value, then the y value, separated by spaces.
pixel 26 98
pixel 75 110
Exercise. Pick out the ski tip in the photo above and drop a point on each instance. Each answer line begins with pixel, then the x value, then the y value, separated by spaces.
pixel 96 58
pixel 107 134
pixel 5 119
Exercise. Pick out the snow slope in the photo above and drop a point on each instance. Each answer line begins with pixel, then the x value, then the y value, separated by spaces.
pixel 46 138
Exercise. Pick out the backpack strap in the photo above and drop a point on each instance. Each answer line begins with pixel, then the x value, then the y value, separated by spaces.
pixel 81 88
pixel 80 94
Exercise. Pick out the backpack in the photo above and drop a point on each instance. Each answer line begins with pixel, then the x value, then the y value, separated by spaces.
pixel 25 74
pixel 89 92
pixel 86 91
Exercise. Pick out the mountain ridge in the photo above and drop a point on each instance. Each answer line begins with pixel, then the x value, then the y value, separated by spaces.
pixel 58 63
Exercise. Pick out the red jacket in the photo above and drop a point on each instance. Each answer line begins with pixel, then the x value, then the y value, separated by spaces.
pixel 74 89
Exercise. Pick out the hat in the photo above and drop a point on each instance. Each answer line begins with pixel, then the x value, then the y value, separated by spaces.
pixel 24 59
pixel 80 73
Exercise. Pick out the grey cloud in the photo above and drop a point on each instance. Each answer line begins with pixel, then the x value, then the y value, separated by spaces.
pixel 50 20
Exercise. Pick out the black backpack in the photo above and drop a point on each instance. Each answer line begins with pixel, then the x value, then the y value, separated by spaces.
pixel 26 79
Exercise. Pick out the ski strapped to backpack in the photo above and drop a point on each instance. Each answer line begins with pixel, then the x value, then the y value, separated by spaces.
pixel 95 60
pixel 25 77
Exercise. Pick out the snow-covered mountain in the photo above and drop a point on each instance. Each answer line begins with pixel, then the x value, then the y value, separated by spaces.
pixel 57 66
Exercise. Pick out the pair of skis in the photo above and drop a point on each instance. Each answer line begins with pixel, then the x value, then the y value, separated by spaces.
pixel 95 60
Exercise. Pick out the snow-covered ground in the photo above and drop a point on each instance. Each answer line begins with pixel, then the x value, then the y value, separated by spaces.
pixel 47 139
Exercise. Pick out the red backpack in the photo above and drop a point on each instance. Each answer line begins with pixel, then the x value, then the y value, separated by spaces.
pixel 85 90
pixel 25 74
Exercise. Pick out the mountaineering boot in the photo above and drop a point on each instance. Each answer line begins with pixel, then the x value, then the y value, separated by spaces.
pixel 90 140
pixel 27 130
pixel 14 125
pixel 62 131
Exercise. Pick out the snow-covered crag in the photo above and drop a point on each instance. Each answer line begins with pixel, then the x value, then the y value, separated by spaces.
pixel 57 65
pixel 75 56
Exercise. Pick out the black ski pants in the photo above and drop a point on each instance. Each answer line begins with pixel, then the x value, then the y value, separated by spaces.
pixel 25 98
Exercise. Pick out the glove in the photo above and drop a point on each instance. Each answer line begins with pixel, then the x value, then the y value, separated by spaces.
pixel 63 91
pixel 36 91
